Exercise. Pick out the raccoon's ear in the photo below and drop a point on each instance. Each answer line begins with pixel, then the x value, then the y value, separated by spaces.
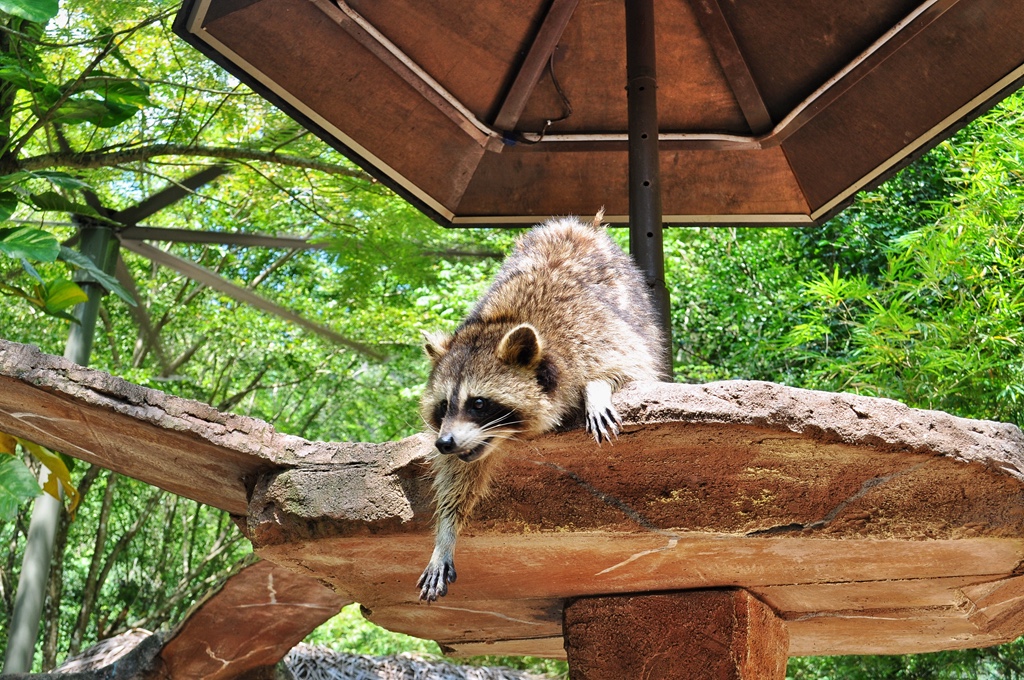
pixel 436 345
pixel 521 347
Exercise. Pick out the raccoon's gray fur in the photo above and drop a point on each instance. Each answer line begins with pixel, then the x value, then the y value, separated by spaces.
pixel 566 322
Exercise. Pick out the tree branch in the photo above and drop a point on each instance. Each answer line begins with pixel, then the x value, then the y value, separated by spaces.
pixel 89 160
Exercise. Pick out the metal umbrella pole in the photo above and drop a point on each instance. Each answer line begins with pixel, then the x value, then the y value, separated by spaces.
pixel 645 215
pixel 99 244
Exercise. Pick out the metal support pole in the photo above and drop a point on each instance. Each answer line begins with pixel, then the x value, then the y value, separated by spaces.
pixel 98 243
pixel 645 216
pixel 100 246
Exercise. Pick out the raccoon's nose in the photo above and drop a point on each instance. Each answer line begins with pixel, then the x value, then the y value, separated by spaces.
pixel 445 443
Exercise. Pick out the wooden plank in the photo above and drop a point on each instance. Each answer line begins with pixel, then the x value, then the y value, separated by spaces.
pixel 695 182
pixel 252 621
pixel 378 45
pixel 284 47
pixel 888 631
pixel 529 73
pixel 183 446
pixel 733 64
pixel 995 605
pixel 700 634
pixel 851 596
pixel 792 48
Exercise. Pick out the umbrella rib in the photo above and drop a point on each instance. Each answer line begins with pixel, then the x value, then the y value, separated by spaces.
pixel 730 57
pixel 240 294
pixel 548 35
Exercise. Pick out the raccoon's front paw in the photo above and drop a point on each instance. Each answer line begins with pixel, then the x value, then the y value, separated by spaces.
pixel 602 419
pixel 434 580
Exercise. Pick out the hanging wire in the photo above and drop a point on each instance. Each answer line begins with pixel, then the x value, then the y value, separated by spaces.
pixel 566 106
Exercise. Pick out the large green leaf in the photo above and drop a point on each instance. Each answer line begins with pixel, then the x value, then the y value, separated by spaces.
pixel 61 294
pixel 104 279
pixel 55 177
pixel 79 110
pixel 61 179
pixel 115 114
pixel 52 201
pixel 17 485
pixel 20 76
pixel 29 243
pixel 39 11
pixel 8 204
pixel 118 90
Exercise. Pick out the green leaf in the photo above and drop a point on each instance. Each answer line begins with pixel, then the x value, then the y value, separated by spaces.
pixel 27 266
pixel 39 11
pixel 52 201
pixel 21 76
pixel 61 294
pixel 118 90
pixel 29 243
pixel 17 485
pixel 55 177
pixel 15 178
pixel 103 114
pixel 8 204
pixel 115 114
pixel 104 279
pixel 60 179
pixel 79 110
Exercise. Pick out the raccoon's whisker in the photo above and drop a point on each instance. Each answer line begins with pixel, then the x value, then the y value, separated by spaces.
pixel 427 424
pixel 499 419
pixel 488 428
pixel 499 422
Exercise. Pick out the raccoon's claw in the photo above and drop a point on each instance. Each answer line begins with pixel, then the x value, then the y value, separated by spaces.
pixel 433 582
pixel 602 419
pixel 604 425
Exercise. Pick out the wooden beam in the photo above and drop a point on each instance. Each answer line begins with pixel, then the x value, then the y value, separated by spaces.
pixel 721 634
pixel 141 315
pixel 730 58
pixel 172 194
pixel 139 233
pixel 540 52
pixel 236 292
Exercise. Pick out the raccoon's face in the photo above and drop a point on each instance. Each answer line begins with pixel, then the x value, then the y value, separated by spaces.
pixel 484 390
pixel 471 426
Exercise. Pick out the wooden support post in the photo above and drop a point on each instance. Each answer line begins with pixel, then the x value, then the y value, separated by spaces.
pixel 723 634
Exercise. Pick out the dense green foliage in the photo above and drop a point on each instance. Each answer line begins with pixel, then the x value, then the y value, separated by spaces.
pixel 916 293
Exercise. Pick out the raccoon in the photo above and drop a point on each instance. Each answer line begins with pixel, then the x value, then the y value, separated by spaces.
pixel 566 322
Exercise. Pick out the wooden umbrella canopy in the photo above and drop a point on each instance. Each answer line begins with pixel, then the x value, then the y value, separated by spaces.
pixel 485 113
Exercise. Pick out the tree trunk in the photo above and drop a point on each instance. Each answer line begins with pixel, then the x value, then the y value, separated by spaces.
pixel 55 588
pixel 91 589
pixel 54 591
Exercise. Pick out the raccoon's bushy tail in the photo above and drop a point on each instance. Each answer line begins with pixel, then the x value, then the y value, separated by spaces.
pixel 598 219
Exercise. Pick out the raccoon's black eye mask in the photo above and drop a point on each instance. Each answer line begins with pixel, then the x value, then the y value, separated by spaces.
pixel 438 414
pixel 486 412
pixel 480 410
